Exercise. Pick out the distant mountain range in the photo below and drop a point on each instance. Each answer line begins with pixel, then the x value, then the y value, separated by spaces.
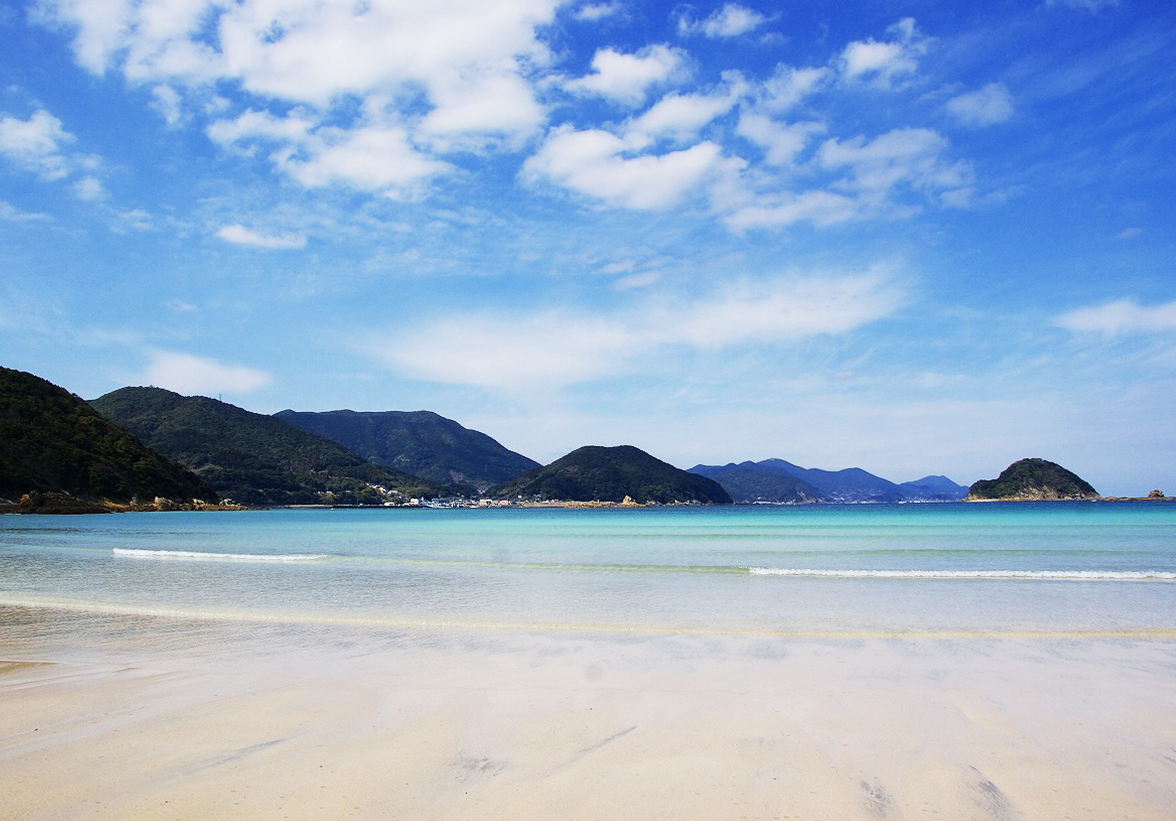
pixel 252 458
pixel 142 443
pixel 420 443
pixel 778 482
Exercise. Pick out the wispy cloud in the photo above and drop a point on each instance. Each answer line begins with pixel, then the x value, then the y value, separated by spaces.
pixel 188 374
pixel 10 213
pixel 1123 316
pixel 240 235
pixel 990 104
pixel 597 11
pixel 36 144
pixel 869 176
pixel 731 20
pixel 884 64
pixel 595 163
pixel 550 349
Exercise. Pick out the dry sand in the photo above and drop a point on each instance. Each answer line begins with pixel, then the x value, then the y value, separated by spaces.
pixel 534 726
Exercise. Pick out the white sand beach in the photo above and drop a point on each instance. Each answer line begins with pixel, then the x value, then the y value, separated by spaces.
pixel 502 725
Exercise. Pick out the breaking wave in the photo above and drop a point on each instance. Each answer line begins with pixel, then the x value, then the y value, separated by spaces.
pixel 199 556
pixel 1035 575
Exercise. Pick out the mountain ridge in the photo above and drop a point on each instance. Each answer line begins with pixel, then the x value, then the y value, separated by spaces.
pixel 594 473
pixel 253 458
pixel 762 482
pixel 420 443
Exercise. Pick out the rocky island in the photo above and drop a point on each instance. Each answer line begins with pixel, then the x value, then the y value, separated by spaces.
pixel 1032 480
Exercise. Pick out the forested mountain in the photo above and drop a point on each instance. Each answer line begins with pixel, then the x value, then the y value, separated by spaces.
pixel 252 458
pixel 421 443
pixel 1032 480
pixel 609 474
pixel 52 442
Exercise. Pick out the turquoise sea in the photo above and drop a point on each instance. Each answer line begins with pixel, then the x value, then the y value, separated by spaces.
pixel 1025 568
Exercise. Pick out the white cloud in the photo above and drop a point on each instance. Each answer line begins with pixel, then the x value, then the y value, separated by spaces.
pixel 260 125
pixel 455 70
pixel 905 155
pixel 470 110
pixel 1129 233
pixel 89 188
pixel 594 163
pixel 788 86
pixel 1085 5
pixel 372 158
pixel 187 374
pixel 240 235
pixel 166 100
pixel 873 175
pixel 781 142
pixel 135 219
pixel 35 143
pixel 991 104
pixel 597 11
pixel 680 116
pixel 729 21
pixel 882 63
pixel 626 78
pixel 1124 316
pixel 818 207
pixel 368 157
pixel 99 28
pixel 554 349
pixel 10 213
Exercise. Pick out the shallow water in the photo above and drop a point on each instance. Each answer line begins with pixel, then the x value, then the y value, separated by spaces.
pixel 1034 569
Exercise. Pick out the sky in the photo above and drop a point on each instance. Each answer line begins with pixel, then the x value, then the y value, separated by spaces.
pixel 917 238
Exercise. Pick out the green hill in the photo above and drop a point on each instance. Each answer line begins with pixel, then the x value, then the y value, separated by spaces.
pixel 420 443
pixel 603 474
pixel 1032 480
pixel 252 458
pixel 53 443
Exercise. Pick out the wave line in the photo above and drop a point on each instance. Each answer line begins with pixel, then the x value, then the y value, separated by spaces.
pixel 1036 575
pixel 198 556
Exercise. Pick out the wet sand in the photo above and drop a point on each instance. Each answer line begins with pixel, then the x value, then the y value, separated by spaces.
pixel 144 722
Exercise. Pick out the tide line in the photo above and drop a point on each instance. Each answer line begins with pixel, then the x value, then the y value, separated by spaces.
pixel 1156 633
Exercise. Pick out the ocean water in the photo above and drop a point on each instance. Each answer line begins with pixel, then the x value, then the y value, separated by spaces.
pixel 1052 569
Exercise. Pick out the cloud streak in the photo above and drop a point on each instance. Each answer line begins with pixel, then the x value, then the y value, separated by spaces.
pixel 240 235
pixel 556 348
pixel 188 374
pixel 1123 316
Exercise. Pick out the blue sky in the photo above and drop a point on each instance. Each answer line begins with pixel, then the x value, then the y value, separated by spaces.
pixel 913 237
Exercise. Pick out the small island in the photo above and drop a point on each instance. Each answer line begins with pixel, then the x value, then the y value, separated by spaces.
pixel 1032 480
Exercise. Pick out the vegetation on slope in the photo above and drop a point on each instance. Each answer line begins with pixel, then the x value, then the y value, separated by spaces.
pixel 603 474
pixel 421 443
pixel 52 442
pixel 1031 480
pixel 252 458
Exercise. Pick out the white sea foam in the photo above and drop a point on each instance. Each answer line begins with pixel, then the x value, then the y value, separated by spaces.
pixel 1036 575
pixel 199 556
